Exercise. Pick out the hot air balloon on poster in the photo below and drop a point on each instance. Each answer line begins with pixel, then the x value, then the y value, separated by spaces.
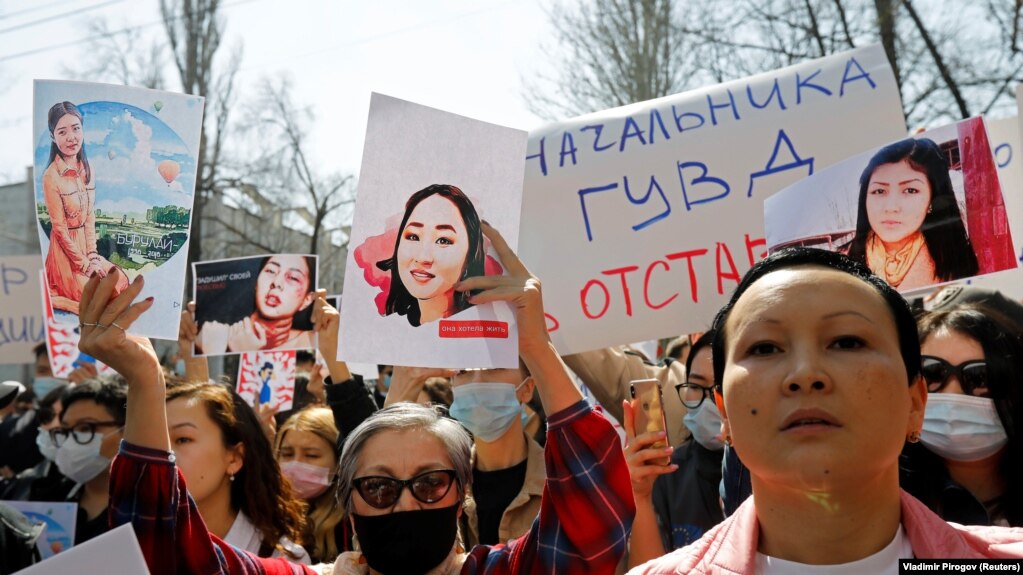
pixel 158 105
pixel 169 169
pixel 111 154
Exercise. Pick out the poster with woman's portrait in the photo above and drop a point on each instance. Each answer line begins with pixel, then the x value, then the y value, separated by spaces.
pixel 428 180
pixel 62 344
pixel 257 303
pixel 267 378
pixel 115 171
pixel 919 212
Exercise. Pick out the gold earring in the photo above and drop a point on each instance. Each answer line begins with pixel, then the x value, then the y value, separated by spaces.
pixel 930 208
pixel 913 437
pixel 728 439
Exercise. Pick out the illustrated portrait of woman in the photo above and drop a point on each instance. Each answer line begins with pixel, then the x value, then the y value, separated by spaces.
pixel 285 289
pixel 909 230
pixel 439 243
pixel 69 191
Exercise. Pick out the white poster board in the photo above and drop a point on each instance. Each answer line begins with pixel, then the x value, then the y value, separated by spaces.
pixel 22 325
pixel 920 212
pixel 116 551
pixel 428 178
pixel 115 172
pixel 267 378
pixel 640 220
pixel 59 518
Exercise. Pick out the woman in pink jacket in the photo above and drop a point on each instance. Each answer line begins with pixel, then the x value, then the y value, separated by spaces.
pixel 817 363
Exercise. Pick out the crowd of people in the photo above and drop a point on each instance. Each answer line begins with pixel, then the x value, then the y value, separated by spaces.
pixel 821 424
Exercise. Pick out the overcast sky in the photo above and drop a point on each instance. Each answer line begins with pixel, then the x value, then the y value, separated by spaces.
pixel 464 56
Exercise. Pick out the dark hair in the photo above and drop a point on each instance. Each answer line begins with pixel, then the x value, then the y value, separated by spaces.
pixel 40 351
pixel 1002 343
pixel 111 393
pixel 58 111
pixel 304 356
pixel 303 318
pixel 943 230
pixel 259 489
pixel 705 340
pixel 909 344
pixel 399 300
pixel 45 411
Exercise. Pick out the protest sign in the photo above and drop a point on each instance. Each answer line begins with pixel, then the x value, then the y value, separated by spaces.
pixel 642 219
pixel 116 551
pixel 428 179
pixel 62 343
pixel 115 171
pixel 921 211
pixel 59 518
pixel 267 378
pixel 255 303
pixel 22 326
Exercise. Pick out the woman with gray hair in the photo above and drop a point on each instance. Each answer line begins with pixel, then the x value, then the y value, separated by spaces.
pixel 404 471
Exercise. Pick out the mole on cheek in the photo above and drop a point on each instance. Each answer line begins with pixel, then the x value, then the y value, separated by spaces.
pixel 753 411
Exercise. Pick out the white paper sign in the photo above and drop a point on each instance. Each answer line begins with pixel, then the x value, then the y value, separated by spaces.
pixel 115 171
pixel 116 551
pixel 59 518
pixel 428 178
pixel 919 212
pixel 22 325
pixel 267 377
pixel 641 220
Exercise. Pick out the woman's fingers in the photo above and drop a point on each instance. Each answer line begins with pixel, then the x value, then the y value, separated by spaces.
pixel 628 422
pixel 88 295
pixel 121 302
pixel 511 262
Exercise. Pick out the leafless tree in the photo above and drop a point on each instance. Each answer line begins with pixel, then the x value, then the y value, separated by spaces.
pixel 123 55
pixel 951 59
pixel 615 52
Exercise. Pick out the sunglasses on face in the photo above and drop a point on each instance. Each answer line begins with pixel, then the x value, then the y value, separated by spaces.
pixel 383 492
pixel 972 375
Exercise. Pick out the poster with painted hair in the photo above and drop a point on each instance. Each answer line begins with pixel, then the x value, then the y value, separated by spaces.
pixel 267 378
pixel 254 303
pixel 62 344
pixel 115 172
pixel 428 180
pixel 918 212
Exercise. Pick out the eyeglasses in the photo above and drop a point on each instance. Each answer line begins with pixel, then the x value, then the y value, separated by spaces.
pixel 83 432
pixel 972 375
pixel 692 394
pixel 383 492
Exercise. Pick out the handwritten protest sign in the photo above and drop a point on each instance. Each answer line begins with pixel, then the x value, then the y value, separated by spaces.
pixel 428 179
pixel 59 518
pixel 921 211
pixel 255 303
pixel 116 551
pixel 22 326
pixel 115 171
pixel 267 378
pixel 640 220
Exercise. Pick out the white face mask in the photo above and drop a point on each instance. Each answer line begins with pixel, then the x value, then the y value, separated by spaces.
pixel 704 423
pixel 81 463
pixel 46 445
pixel 962 427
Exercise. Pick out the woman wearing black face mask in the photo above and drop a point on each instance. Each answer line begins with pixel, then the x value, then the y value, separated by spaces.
pixel 402 472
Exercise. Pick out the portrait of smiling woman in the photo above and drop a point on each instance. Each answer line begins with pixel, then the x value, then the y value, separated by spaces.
pixel 285 286
pixel 909 229
pixel 439 243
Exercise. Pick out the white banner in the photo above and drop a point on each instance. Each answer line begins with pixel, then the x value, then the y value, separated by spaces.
pixel 640 220
pixel 22 325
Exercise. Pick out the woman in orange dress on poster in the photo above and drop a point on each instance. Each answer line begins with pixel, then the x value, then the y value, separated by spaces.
pixel 69 191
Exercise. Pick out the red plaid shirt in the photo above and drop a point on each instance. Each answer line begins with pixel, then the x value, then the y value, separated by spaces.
pixel 584 521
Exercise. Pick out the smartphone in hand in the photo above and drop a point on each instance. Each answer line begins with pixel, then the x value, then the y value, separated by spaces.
pixel 648 407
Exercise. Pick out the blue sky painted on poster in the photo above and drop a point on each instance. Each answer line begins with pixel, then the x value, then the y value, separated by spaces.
pixel 125 146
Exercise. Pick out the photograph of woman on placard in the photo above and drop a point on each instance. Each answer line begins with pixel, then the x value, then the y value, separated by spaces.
pixel 909 229
pixel 275 315
pixel 69 192
pixel 439 243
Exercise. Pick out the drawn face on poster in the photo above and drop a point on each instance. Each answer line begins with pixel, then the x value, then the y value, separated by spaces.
pixel 438 243
pixel 114 185
pixel 255 303
pixel 428 180
pixel 267 378
pixel 912 225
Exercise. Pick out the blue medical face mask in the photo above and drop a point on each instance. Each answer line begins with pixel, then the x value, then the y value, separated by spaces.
pixel 487 410
pixel 387 381
pixel 704 423
pixel 43 385
pixel 179 367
